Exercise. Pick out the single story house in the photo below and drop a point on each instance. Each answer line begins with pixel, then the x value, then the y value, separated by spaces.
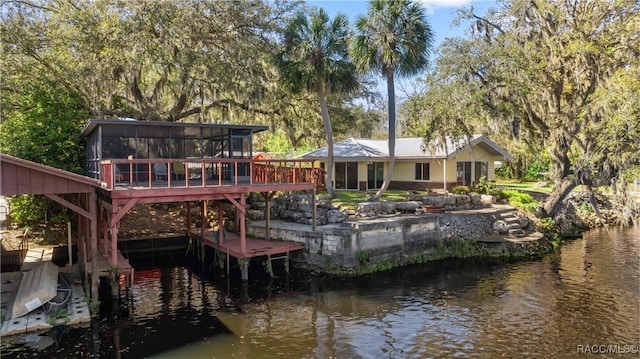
pixel 361 164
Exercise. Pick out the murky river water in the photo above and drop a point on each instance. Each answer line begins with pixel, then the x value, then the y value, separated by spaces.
pixel 581 299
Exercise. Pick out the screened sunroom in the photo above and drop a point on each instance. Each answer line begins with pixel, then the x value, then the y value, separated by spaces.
pixel 132 139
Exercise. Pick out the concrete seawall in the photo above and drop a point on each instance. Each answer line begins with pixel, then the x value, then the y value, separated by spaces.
pixel 366 245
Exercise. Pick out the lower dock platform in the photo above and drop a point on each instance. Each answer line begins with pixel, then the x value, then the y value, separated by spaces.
pixel 255 247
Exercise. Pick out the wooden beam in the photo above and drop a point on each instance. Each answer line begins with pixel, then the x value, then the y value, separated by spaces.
pixel 106 204
pixel 239 206
pixel 122 211
pixel 70 205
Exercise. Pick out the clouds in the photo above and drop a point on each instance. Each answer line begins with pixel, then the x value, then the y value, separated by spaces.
pixel 445 3
pixel 431 5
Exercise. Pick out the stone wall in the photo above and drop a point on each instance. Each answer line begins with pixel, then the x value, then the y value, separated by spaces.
pixel 298 208
pixel 342 248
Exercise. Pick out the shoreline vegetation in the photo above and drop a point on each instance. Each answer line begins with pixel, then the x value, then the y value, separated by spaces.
pixel 579 215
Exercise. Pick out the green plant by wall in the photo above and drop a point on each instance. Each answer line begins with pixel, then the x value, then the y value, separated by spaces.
pixel 454 247
pixel 114 270
pixel 268 266
pixel 61 314
pixel 327 261
pixel 460 190
pixel 486 187
pixel 549 227
pixel 520 200
pixel 362 257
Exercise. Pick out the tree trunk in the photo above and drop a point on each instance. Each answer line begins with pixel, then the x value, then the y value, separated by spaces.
pixel 564 180
pixel 392 135
pixel 324 111
pixel 552 205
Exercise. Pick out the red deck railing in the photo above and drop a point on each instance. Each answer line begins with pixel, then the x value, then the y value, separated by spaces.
pixel 163 173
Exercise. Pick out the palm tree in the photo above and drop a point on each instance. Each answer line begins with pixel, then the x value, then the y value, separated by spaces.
pixel 394 38
pixel 316 59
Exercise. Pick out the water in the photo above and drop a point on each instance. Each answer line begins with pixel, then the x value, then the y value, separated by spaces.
pixel 586 294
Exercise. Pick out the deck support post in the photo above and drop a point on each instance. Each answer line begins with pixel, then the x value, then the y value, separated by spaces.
pixel 203 226
pixel 113 258
pixel 105 231
pixel 244 268
pixel 243 229
pixel 313 206
pixel 267 215
pixel 286 262
pixel 270 265
pixel 220 223
pixel 188 216
pixel 94 246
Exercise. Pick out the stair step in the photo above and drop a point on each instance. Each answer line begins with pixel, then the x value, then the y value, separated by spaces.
pixel 510 220
pixel 432 209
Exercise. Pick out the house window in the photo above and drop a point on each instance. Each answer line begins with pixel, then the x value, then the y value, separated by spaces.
pixel 481 170
pixel 346 175
pixel 375 175
pixel 468 173
pixel 422 172
pixel 463 173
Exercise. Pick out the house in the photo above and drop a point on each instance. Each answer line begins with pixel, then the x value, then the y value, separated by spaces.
pixel 361 164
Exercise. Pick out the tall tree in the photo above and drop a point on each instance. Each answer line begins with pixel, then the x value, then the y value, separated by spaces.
pixel 201 60
pixel 43 125
pixel 315 59
pixel 557 69
pixel 394 38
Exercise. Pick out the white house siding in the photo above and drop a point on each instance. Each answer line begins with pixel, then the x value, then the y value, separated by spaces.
pixel 404 171
pixel 478 155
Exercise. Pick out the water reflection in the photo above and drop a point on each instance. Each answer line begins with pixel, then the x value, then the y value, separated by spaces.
pixel 587 293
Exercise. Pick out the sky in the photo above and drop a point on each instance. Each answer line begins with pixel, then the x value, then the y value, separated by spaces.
pixel 440 14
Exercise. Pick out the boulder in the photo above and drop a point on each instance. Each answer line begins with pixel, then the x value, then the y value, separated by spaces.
pixel 487 199
pixel 407 207
pixel 501 227
pixel 335 216
pixel 388 207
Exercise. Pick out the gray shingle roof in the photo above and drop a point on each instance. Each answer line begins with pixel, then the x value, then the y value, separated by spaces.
pixel 406 148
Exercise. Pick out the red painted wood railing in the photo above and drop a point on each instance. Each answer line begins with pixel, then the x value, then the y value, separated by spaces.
pixel 164 173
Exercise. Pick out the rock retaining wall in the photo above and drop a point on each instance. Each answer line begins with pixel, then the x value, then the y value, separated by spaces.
pixel 298 208
pixel 353 246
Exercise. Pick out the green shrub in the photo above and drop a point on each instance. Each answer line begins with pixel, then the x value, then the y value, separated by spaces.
pixel 537 171
pixel 363 257
pixel 486 187
pixel 460 190
pixel 504 171
pixel 520 199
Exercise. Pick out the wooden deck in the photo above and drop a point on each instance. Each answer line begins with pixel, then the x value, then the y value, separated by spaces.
pixel 104 268
pixel 255 247
pixel 128 182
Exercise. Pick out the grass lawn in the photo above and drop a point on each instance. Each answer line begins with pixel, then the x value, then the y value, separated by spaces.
pixel 525 186
pixel 351 198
